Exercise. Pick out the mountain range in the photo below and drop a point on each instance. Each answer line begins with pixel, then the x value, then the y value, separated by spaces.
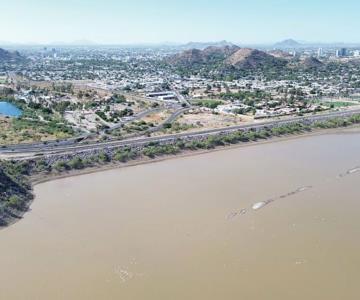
pixel 203 45
pixel 289 43
pixel 228 56
pixel 233 60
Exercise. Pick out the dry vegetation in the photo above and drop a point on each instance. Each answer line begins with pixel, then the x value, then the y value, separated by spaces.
pixel 210 120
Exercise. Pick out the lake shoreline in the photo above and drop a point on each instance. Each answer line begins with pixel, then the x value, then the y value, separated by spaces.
pixel 43 178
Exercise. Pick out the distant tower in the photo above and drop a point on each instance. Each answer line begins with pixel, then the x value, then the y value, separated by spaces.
pixel 320 53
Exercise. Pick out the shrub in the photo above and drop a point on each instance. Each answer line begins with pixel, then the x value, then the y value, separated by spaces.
pixel 76 163
pixel 61 166
pixel 103 157
pixel 15 202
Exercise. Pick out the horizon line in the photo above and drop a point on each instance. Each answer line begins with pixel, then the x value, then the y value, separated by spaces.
pixel 167 43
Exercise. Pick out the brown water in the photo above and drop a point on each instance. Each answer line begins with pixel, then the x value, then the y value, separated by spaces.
pixel 185 228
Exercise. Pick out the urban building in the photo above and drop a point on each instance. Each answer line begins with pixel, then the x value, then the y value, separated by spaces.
pixel 320 52
pixel 341 52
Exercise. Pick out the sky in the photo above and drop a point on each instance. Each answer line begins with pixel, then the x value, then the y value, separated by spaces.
pixel 179 21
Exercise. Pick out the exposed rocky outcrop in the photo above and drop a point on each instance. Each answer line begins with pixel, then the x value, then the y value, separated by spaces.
pixel 311 62
pixel 224 57
pixel 197 57
pixel 252 59
pixel 281 54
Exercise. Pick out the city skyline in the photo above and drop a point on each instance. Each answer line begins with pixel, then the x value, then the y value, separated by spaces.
pixel 119 22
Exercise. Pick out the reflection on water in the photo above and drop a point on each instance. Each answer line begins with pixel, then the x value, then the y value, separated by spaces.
pixel 259 205
pixel 158 231
pixel 350 172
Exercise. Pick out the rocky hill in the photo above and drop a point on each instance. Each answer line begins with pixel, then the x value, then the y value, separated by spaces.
pixel 247 58
pixel 311 62
pixel 289 43
pixel 225 61
pixel 281 54
pixel 7 56
pixel 223 51
pixel 210 54
pixel 188 57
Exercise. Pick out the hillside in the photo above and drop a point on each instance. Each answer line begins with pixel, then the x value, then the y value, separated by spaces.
pixel 311 62
pixel 225 61
pixel 210 54
pixel 247 58
pixel 7 56
pixel 188 57
pixel 14 192
pixel 280 54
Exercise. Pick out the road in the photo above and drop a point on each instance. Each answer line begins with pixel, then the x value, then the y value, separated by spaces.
pixel 169 120
pixel 63 147
pixel 181 98
pixel 135 118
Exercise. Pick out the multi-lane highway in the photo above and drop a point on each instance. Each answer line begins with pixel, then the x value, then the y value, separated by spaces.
pixel 67 147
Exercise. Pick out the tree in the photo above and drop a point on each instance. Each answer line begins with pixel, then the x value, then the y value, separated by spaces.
pixel 167 125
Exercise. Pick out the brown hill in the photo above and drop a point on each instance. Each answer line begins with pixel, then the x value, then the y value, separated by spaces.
pixel 252 58
pixel 311 62
pixel 208 55
pixel 188 57
pixel 7 56
pixel 280 54
pixel 225 51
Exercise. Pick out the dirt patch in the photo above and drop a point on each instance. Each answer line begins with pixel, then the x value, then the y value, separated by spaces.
pixel 207 119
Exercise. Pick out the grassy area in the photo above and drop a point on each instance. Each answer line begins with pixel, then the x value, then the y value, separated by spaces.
pixel 132 128
pixel 35 124
pixel 176 127
pixel 339 104
pixel 23 130
pixel 336 103
pixel 209 103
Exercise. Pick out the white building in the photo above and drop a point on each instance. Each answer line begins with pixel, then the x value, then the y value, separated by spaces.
pixel 320 53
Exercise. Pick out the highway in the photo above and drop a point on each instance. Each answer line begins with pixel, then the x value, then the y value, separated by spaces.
pixel 65 147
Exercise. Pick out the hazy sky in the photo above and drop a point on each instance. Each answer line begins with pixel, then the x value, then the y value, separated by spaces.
pixel 140 21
